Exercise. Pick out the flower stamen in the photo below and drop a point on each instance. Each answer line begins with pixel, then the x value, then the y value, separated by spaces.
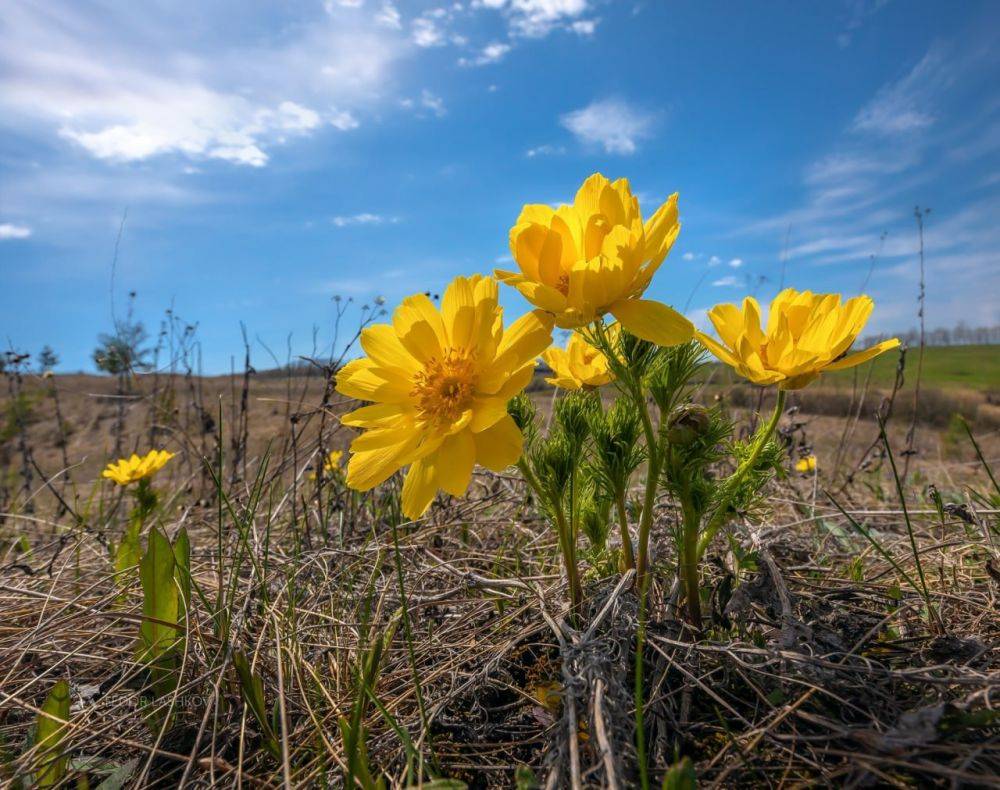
pixel 445 387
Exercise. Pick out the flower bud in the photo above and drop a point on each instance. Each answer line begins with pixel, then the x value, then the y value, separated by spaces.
pixel 686 423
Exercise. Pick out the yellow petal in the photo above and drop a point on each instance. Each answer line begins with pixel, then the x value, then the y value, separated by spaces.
pixel 360 379
pixel 382 346
pixel 455 460
pixel 419 489
pixel 863 356
pixel 499 446
pixel 368 469
pixel 720 351
pixel 419 327
pixel 523 340
pixel 653 321
pixel 458 311
pixel 377 415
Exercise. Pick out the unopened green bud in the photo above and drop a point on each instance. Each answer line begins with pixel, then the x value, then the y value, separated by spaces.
pixel 686 423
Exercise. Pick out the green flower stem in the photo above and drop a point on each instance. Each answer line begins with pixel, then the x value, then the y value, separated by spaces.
pixel 742 471
pixel 564 534
pixel 690 558
pixel 655 458
pixel 628 553
pixel 652 479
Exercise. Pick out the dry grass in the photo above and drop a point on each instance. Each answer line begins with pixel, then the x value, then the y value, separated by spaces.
pixel 818 668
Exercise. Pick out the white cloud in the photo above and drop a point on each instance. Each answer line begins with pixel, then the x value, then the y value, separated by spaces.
pixel 432 102
pixel 715 260
pixel 736 263
pixel 491 53
pixel 726 282
pixel 388 16
pixel 584 27
pixel 545 150
pixel 426 33
pixel 343 120
pixel 10 231
pixel 689 256
pixel 122 91
pixel 905 106
pixel 363 218
pixel 611 123
pixel 537 18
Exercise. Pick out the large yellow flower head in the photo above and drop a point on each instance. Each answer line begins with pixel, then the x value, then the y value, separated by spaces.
pixel 595 257
pixel 806 334
pixel 579 365
pixel 440 383
pixel 129 470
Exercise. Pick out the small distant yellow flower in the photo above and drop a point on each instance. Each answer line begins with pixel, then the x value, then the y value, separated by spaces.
pixel 331 464
pixel 806 335
pixel 579 365
pixel 807 464
pixel 440 383
pixel 595 257
pixel 129 470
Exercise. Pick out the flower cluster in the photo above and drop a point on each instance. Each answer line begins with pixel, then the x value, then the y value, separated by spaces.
pixel 438 380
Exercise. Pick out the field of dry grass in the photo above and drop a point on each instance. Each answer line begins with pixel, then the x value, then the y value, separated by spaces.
pixel 448 639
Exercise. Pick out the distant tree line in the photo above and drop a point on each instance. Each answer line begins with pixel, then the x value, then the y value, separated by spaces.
pixel 961 335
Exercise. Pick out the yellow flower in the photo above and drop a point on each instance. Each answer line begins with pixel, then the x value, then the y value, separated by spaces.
pixel 579 365
pixel 440 383
pixel 807 464
pixel 128 470
pixel 806 335
pixel 595 257
pixel 332 462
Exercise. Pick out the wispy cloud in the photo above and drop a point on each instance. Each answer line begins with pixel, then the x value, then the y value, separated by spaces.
pixel 118 91
pixel 9 230
pixel 363 218
pixel 545 150
pixel 388 16
pixel 426 33
pixel 905 105
pixel 538 18
pixel 858 12
pixel 491 53
pixel 736 263
pixel 726 282
pixel 615 125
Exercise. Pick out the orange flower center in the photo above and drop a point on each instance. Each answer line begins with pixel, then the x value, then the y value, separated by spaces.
pixel 445 387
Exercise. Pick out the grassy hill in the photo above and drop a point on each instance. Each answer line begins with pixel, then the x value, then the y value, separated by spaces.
pixel 945 367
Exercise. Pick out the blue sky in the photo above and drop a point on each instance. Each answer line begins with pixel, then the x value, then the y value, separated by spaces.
pixel 271 155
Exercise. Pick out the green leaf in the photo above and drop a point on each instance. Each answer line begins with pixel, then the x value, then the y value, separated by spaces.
pixel 524 778
pixel 159 636
pixel 681 776
pixel 156 572
pixel 182 567
pixel 119 775
pixel 49 734
pixel 356 751
pixel 252 691
pixel 129 551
